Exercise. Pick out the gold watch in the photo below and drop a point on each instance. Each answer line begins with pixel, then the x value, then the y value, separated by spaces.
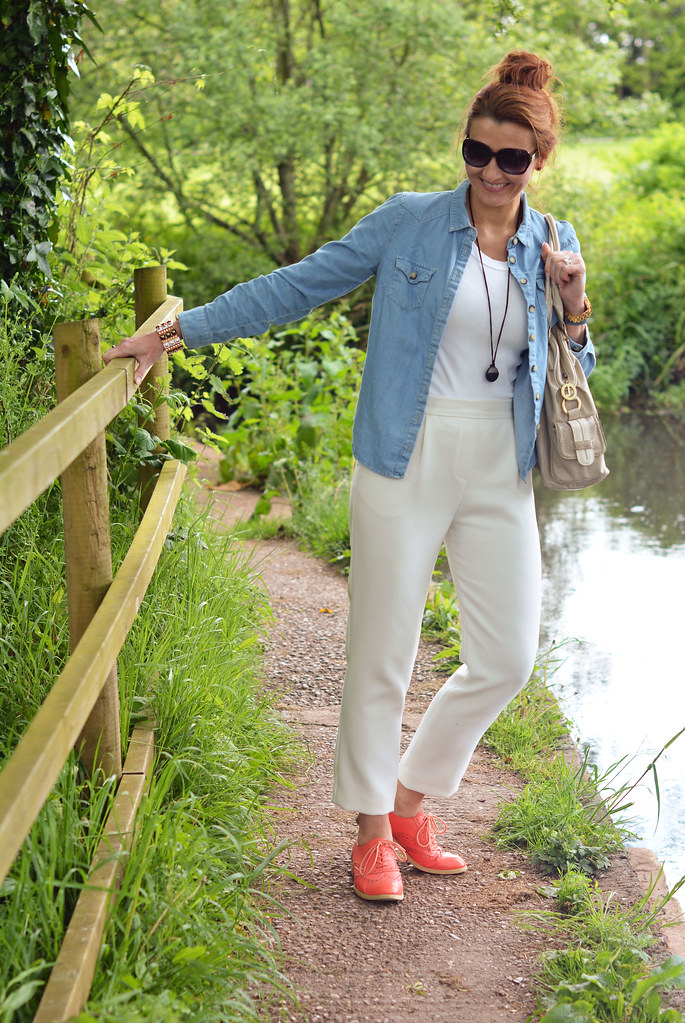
pixel 581 317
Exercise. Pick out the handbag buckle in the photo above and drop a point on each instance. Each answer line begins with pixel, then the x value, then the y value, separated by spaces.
pixel 569 393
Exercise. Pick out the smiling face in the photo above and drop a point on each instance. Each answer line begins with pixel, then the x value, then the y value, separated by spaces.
pixel 490 186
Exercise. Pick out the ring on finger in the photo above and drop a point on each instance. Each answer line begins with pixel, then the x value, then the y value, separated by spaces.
pixel 568 261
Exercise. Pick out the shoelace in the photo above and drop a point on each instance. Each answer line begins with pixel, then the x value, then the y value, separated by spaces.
pixel 371 857
pixel 432 826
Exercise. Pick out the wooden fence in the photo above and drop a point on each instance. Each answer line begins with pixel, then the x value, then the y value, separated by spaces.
pixel 82 707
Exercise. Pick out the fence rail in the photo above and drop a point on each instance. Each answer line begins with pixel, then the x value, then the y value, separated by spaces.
pixel 39 456
pixel 82 707
pixel 35 764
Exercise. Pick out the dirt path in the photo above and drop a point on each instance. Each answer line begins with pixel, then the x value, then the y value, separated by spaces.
pixel 453 949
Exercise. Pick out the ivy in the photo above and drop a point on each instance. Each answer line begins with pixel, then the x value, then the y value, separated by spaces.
pixel 41 46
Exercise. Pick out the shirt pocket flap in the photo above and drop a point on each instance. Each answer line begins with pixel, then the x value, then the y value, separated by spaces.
pixel 414 272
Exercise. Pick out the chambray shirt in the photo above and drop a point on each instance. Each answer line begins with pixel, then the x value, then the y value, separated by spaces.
pixel 417 246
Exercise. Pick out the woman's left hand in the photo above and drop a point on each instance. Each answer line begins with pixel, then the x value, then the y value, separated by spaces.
pixel 567 270
pixel 144 348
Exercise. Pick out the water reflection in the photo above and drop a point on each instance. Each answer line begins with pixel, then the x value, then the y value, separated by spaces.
pixel 614 569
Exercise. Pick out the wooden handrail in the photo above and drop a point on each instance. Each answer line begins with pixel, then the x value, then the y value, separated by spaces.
pixel 71 978
pixel 32 462
pixel 82 708
pixel 33 768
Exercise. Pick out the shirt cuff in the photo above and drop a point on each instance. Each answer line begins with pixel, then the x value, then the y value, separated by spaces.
pixel 195 327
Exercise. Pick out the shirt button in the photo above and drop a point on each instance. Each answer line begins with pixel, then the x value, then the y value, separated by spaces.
pixel 534 369
pixel 516 241
pixel 512 259
pixel 537 397
pixel 524 280
pixel 413 275
pixel 531 337
pixel 531 308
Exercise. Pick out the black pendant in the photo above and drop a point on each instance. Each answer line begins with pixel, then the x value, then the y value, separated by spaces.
pixel 491 373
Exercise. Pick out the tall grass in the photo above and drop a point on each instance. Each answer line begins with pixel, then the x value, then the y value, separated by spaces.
pixel 602 969
pixel 189 937
pixel 321 514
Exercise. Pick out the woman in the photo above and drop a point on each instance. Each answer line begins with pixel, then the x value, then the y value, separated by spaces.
pixel 444 438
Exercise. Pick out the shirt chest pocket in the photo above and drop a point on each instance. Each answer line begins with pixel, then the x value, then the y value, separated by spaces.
pixel 409 283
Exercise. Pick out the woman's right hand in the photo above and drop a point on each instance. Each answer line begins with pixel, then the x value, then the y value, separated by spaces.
pixel 144 348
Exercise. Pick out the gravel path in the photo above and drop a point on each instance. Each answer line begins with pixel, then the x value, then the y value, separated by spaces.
pixel 453 950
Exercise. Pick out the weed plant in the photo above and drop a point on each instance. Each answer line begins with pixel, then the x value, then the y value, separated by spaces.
pixel 321 515
pixel 602 970
pixel 568 818
pixel 295 404
pixel 559 821
pixel 441 622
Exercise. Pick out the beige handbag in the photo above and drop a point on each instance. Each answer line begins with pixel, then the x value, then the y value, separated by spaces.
pixel 570 442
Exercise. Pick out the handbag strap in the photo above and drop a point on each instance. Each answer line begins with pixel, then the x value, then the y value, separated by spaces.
pixel 552 295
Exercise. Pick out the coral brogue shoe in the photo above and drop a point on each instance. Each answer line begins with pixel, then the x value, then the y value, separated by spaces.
pixel 416 835
pixel 376 873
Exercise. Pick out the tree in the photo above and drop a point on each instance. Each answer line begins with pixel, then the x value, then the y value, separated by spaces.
pixel 35 62
pixel 652 42
pixel 281 121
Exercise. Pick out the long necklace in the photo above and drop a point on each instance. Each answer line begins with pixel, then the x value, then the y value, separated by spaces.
pixel 491 372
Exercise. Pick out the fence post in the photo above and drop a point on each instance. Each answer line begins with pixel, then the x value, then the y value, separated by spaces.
pixel 150 291
pixel 88 555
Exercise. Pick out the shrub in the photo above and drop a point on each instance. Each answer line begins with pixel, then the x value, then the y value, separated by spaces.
pixel 296 407
pixel 631 221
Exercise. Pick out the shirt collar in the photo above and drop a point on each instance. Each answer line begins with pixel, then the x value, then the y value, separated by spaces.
pixel 459 218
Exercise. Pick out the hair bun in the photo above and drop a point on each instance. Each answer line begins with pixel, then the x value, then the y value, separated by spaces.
pixel 524 69
pixel 519 90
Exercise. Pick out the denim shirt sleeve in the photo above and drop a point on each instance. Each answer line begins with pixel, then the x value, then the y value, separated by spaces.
pixel 292 292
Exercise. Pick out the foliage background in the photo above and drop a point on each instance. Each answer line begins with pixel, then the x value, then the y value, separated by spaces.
pixel 224 140
pixel 242 137
pixel 40 43
pixel 262 128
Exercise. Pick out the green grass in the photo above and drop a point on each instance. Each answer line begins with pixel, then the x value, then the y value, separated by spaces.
pixel 601 967
pixel 190 936
pixel 559 821
pixel 441 623
pixel 321 516
pixel 592 159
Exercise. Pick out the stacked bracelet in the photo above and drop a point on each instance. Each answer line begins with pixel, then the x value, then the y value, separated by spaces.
pixel 169 337
pixel 581 317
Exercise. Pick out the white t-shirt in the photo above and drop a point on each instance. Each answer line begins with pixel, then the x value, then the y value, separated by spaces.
pixel 464 352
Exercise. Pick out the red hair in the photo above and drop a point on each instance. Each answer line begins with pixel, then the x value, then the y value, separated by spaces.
pixel 520 93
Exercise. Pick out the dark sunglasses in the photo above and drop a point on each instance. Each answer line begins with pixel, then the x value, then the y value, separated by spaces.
pixel 511 161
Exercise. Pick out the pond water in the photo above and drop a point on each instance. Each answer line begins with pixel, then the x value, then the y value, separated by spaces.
pixel 614 578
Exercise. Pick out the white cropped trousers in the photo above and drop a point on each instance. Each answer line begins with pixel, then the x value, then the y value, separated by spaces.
pixel 462 488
